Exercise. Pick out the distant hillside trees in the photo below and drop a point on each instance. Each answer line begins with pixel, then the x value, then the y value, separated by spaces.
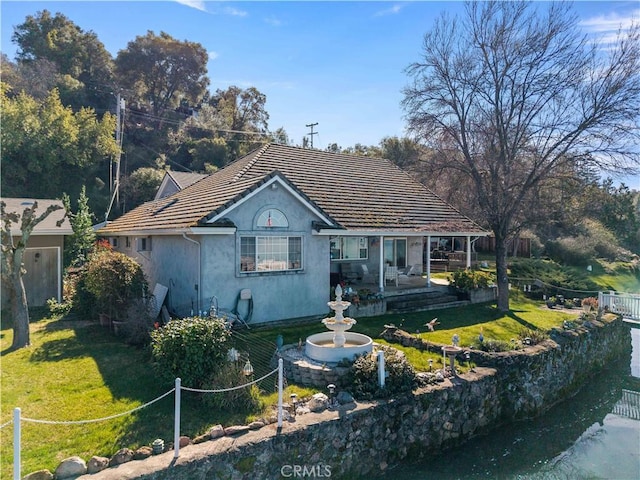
pixel 48 149
pixel 159 72
pixel 170 118
pixel 67 57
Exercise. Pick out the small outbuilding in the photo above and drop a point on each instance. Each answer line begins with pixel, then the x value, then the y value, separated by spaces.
pixel 43 258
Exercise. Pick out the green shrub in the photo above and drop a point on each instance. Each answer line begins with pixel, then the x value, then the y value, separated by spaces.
pixel 83 302
pixel 192 349
pixel 571 250
pixel 362 379
pixel 530 336
pixel 227 375
pixel 589 303
pixel 115 280
pixel 465 280
pixel 57 308
pixel 494 346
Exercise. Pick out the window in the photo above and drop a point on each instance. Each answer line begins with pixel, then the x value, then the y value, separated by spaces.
pixel 272 218
pixel 144 244
pixel 270 254
pixel 127 242
pixel 114 242
pixel 395 251
pixel 349 248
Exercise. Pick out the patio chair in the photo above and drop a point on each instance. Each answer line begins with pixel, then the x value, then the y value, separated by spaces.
pixel 391 274
pixel 368 277
pixel 416 270
pixel 403 275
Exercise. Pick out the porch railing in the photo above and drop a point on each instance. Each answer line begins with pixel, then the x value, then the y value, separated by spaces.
pixel 625 304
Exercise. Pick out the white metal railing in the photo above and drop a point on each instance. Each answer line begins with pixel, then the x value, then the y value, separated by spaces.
pixel 625 304
pixel 629 405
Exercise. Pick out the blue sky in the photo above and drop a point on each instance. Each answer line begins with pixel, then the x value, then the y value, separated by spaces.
pixel 340 64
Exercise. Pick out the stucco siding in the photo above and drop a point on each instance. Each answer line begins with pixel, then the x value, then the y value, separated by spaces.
pixel 276 295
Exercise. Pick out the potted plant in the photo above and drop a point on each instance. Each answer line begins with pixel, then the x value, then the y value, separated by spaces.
pixel 589 304
pixel 551 302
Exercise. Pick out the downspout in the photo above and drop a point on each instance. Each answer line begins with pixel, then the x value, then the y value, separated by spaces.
pixel 199 284
pixel 381 282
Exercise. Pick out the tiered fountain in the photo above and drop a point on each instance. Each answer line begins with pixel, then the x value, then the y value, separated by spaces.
pixel 331 347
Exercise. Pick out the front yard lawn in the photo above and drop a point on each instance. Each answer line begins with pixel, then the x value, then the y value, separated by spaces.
pixel 76 370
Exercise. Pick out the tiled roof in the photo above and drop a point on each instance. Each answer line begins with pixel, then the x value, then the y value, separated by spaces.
pixel 48 225
pixel 358 192
pixel 185 179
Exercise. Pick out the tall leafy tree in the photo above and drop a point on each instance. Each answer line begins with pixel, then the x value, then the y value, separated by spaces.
pixel 84 68
pixel 242 111
pixel 506 93
pixel 161 72
pixel 13 247
pixel 48 149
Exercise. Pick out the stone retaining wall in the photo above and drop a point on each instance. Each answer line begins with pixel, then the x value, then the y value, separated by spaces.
pixel 368 437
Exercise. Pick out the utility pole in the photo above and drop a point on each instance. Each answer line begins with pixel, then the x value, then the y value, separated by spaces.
pixel 114 182
pixel 311 125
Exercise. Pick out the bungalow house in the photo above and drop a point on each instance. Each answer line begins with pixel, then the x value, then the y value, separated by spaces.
pixel 287 223
pixel 43 255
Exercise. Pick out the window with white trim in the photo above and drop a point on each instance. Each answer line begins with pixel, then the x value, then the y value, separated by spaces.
pixel 349 248
pixel 270 254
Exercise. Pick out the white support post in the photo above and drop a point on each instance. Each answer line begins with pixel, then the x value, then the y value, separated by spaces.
pixel 16 444
pixel 381 372
pixel 428 260
pixel 468 251
pixel 176 420
pixel 280 385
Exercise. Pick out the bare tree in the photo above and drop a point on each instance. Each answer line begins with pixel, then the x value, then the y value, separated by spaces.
pixel 13 266
pixel 509 94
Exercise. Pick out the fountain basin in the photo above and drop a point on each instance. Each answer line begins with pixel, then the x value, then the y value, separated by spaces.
pixel 451 350
pixel 320 347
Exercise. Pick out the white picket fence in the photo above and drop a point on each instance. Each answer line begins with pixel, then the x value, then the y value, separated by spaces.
pixel 625 304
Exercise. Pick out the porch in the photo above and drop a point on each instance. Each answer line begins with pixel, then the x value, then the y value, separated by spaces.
pixel 395 263
pixel 412 295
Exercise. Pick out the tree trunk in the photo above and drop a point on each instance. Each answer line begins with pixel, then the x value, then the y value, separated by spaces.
pixel 501 273
pixel 19 313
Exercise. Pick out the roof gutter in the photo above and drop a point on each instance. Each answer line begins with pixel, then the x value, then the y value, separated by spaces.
pixel 395 233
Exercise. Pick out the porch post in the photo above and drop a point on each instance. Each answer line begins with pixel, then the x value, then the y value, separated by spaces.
pixel 381 266
pixel 428 260
pixel 468 251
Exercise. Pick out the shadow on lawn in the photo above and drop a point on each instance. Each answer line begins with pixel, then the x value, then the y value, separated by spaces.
pixel 513 315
